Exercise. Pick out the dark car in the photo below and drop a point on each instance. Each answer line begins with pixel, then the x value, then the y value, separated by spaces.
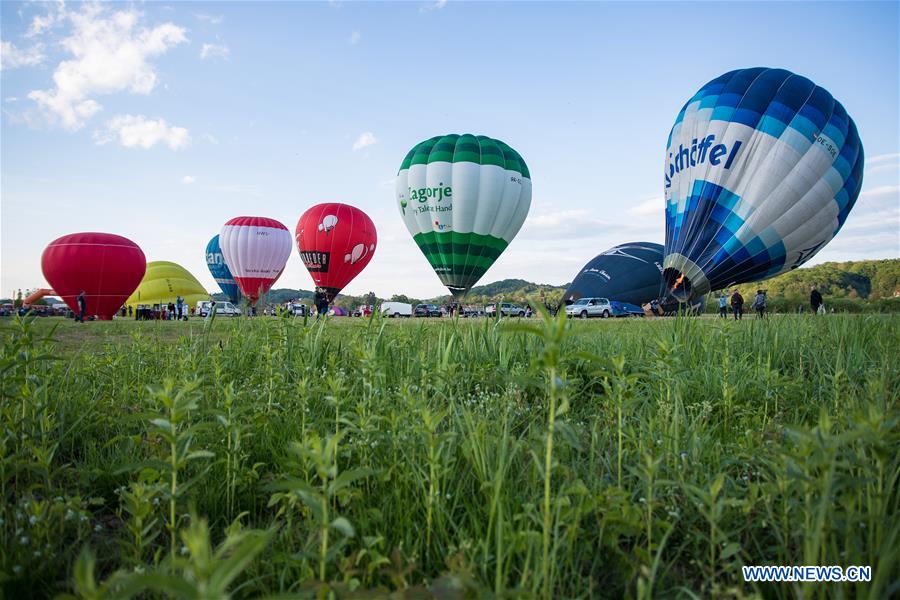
pixel 426 310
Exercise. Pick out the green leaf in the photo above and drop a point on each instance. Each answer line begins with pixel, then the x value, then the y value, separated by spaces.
pixel 344 526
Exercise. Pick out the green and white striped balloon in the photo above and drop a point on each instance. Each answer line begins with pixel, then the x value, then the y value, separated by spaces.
pixel 463 199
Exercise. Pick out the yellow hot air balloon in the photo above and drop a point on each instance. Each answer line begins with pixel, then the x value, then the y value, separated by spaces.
pixel 163 282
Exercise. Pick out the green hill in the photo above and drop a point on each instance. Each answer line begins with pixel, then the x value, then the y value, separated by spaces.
pixel 853 286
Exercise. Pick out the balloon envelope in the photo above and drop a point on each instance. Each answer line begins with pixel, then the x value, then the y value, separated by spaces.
pixel 629 273
pixel 255 250
pixel 219 270
pixel 163 282
pixel 336 241
pixel 107 267
pixel 463 198
pixel 762 168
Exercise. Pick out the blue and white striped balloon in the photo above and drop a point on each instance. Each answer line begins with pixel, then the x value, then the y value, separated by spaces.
pixel 220 272
pixel 762 168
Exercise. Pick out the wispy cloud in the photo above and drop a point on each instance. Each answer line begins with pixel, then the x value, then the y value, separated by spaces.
pixel 110 53
pixel 365 140
pixel 214 51
pixel 12 57
pixel 882 158
pixel 354 38
pixel 433 6
pixel 55 15
pixel 649 207
pixel 188 179
pixel 882 163
pixel 881 190
pixel 137 131
pixel 214 19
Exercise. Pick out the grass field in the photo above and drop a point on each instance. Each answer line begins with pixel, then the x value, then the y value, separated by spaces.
pixel 362 458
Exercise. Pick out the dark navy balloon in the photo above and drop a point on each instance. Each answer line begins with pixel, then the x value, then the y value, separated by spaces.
pixel 629 272
pixel 220 272
pixel 762 168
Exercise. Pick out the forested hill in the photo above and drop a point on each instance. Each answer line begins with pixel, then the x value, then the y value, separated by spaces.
pixel 869 280
pixel 863 279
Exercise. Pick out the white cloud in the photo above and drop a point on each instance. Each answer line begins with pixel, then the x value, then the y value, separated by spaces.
pixel 882 158
pixel 214 19
pixel 12 57
pixel 208 137
pixel 137 131
pixel 365 140
pixel 188 179
pixel 110 54
pixel 649 207
pixel 435 6
pixel 881 190
pixel 54 16
pixel 354 38
pixel 214 51
pixel 881 163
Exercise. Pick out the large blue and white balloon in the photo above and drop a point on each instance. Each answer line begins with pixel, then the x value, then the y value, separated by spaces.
pixel 220 271
pixel 762 168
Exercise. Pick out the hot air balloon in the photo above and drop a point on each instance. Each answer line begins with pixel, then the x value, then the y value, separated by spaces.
pixel 463 199
pixel 255 250
pixel 107 267
pixel 219 270
pixel 336 241
pixel 163 282
pixel 762 168
pixel 627 273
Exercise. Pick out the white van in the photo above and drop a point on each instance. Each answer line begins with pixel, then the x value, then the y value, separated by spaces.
pixel 396 309
pixel 223 308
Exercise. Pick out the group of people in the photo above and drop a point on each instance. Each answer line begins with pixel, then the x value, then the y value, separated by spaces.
pixel 760 303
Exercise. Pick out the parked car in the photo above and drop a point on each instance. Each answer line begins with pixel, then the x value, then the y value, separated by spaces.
pixel 625 309
pixel 507 309
pixel 299 310
pixel 396 309
pixel 222 308
pixel 590 307
pixel 427 310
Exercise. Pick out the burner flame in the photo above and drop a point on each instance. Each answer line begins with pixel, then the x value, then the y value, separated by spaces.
pixel 677 282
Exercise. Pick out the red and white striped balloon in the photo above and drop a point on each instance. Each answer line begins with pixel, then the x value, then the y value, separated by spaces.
pixel 255 250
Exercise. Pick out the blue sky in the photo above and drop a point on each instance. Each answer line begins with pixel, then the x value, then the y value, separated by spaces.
pixel 160 121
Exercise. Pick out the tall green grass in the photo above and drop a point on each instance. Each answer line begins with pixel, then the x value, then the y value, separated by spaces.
pixel 639 458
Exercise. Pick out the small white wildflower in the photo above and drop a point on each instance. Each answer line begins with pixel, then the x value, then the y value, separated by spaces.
pixel 32 519
pixel 98 527
pixel 183 551
pixel 17 569
pixel 23 540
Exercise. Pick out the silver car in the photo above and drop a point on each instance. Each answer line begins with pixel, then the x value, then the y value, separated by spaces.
pixel 590 307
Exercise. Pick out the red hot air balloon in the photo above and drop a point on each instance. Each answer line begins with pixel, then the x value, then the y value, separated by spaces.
pixel 107 267
pixel 336 241
pixel 255 250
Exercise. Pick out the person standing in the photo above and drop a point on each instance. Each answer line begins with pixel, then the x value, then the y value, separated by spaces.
pixel 815 300
pixel 179 308
pixel 82 307
pixel 759 303
pixel 737 305
pixel 321 303
pixel 723 304
pixel 211 311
